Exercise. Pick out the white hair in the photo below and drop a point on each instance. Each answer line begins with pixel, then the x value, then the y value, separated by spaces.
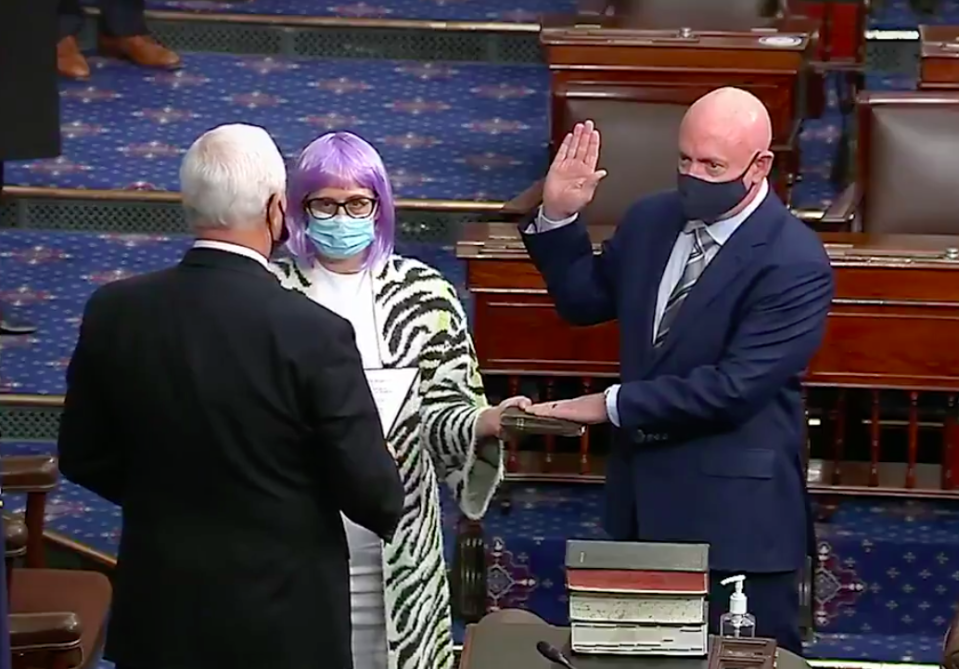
pixel 228 175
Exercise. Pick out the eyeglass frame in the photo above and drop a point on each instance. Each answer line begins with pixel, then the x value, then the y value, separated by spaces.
pixel 341 206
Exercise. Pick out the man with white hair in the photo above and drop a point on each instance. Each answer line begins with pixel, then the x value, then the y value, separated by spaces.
pixel 231 420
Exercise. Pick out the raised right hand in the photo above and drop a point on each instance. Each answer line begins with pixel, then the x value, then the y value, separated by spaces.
pixel 572 178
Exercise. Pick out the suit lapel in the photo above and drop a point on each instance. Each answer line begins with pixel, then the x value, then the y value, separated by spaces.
pixel 732 258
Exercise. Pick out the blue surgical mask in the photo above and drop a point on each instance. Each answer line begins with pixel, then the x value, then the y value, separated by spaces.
pixel 341 237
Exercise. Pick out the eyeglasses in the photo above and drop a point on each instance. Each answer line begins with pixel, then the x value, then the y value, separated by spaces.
pixel 355 207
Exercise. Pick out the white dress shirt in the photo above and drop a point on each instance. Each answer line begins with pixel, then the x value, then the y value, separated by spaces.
pixel 235 249
pixel 720 231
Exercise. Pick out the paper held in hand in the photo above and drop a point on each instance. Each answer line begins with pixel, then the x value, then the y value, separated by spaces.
pixel 391 388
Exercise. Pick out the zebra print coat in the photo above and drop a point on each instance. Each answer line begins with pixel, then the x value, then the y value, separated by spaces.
pixel 422 323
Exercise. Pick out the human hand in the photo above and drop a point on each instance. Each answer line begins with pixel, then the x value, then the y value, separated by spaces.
pixel 572 178
pixel 489 423
pixel 585 410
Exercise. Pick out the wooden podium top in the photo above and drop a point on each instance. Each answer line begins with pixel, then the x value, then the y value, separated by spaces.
pixel 502 241
pixel 501 645
pixel 609 31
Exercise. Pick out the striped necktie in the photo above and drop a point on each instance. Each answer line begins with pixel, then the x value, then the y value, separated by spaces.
pixel 695 265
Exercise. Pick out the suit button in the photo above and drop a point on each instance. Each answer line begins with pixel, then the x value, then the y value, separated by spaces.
pixel 639 437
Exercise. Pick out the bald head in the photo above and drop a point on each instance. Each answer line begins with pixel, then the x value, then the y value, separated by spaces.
pixel 725 136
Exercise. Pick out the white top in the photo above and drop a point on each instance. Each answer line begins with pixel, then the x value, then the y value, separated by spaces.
pixel 351 297
pixel 720 231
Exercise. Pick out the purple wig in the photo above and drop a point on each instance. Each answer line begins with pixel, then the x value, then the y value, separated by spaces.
pixel 340 160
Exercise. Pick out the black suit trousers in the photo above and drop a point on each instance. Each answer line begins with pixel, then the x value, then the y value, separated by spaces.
pixel 118 18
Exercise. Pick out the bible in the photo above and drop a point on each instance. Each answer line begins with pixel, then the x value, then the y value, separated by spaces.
pixel 518 423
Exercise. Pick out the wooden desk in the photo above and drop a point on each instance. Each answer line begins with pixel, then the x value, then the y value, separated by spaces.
pixel 894 326
pixel 840 23
pixel 939 58
pixel 501 645
pixel 681 65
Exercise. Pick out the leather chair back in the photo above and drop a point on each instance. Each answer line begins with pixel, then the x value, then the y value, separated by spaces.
pixel 639 129
pixel 908 163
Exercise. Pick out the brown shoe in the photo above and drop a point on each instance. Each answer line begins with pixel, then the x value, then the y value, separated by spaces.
pixel 70 62
pixel 142 50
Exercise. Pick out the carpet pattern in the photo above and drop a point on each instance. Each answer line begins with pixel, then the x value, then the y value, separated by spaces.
pixel 887 578
pixel 499 11
pixel 887 15
pixel 463 131
pixel 48 277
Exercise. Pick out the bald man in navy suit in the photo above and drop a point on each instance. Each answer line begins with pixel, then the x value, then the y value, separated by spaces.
pixel 721 296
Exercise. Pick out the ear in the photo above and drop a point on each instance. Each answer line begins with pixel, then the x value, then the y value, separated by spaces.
pixel 276 208
pixel 764 163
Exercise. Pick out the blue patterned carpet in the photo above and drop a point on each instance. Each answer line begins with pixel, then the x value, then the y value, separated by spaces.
pixel 500 11
pixel 888 15
pixel 446 131
pixel 48 277
pixel 887 578
pixel 898 15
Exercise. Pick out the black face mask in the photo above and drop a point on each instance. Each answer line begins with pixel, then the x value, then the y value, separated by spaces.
pixel 277 242
pixel 705 200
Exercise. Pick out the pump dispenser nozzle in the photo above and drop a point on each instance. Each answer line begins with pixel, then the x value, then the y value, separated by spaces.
pixel 738 622
pixel 737 601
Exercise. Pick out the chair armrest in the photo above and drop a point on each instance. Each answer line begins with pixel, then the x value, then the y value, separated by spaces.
pixel 33 632
pixel 15 537
pixel 526 202
pixel 28 473
pixel 950 649
pixel 840 213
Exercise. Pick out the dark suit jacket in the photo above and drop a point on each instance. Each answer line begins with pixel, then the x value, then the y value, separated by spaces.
pixel 712 421
pixel 232 420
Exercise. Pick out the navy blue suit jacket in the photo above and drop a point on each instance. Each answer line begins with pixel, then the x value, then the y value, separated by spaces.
pixel 711 439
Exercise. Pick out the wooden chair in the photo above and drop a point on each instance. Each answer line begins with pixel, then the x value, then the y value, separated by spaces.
pixel 640 128
pixel 57 616
pixel 907 156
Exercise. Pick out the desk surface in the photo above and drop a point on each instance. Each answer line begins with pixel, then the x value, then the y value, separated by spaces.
pixel 502 240
pixel 498 645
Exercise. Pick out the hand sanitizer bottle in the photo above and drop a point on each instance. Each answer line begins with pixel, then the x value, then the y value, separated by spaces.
pixel 738 623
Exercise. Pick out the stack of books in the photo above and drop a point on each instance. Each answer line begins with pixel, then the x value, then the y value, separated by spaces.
pixel 638 598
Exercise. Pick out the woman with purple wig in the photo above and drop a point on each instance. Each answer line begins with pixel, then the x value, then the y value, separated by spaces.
pixel 404 314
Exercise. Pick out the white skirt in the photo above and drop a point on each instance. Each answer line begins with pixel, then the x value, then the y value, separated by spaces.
pixel 368 611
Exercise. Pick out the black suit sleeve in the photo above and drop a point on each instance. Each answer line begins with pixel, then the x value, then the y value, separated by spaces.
pixel 90 454
pixel 341 412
